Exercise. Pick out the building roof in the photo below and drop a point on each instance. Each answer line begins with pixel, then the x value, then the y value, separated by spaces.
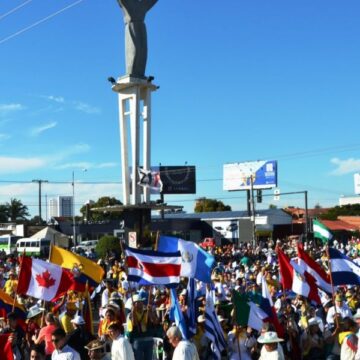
pixel 338 225
pixel 220 214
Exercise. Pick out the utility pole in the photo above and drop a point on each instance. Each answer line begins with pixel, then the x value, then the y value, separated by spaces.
pixel 252 206
pixel 40 182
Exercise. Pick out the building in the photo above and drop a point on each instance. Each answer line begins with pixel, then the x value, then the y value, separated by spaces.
pixel 61 206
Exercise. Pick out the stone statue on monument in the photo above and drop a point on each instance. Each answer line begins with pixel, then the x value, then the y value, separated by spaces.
pixel 135 35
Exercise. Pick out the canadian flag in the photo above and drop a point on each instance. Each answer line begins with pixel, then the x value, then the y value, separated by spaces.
pixel 294 278
pixel 43 280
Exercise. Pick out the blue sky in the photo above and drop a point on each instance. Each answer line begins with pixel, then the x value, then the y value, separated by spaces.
pixel 239 81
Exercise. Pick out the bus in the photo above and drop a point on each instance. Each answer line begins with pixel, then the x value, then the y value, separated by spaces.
pixel 35 247
pixel 8 243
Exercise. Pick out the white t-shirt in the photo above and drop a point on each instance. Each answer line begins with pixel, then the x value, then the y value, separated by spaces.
pixel 121 349
pixel 277 354
pixel 185 350
pixel 66 353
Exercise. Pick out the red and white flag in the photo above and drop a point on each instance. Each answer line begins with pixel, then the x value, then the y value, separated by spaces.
pixel 308 264
pixel 294 278
pixel 43 280
pixel 149 267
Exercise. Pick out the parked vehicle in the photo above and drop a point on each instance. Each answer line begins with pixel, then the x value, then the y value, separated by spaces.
pixel 36 247
pixel 8 243
pixel 208 242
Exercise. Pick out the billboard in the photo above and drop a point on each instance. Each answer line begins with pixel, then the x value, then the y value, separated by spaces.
pixel 237 176
pixel 178 179
pixel 228 229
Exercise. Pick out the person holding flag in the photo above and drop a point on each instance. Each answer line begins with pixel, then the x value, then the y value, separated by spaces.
pixel 184 349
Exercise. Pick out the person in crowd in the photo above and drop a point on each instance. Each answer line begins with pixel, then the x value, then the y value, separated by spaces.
pixel 240 343
pixel 62 350
pixel 45 334
pixel 271 350
pixel 78 338
pixel 184 349
pixel 96 350
pixel 37 352
pixel 121 348
pixel 65 321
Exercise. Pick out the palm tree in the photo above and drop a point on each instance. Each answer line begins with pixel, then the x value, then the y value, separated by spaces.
pixel 16 210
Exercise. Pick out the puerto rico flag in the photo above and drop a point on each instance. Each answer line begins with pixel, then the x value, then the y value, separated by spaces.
pixel 43 280
pixel 149 267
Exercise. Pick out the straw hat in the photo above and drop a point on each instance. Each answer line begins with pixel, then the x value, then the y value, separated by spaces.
pixel 357 314
pixel 34 311
pixel 78 320
pixel 94 345
pixel 201 319
pixel 221 318
pixel 269 337
pixel 137 298
pixel 313 321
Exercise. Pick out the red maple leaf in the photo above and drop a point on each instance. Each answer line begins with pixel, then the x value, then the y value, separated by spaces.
pixel 45 279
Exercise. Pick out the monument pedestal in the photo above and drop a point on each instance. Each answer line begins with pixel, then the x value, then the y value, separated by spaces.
pixel 134 104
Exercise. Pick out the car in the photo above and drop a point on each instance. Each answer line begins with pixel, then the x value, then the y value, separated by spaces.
pixel 208 242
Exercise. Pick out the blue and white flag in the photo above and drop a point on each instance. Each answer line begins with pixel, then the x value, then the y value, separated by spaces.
pixel 344 271
pixel 176 315
pixel 195 262
pixel 213 329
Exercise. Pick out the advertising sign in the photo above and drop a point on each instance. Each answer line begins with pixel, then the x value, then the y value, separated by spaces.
pixel 228 229
pixel 237 176
pixel 178 179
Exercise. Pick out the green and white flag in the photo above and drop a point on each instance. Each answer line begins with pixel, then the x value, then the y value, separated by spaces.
pixel 321 231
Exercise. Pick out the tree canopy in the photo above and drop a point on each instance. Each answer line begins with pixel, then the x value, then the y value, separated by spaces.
pixel 14 211
pixel 106 244
pixel 100 203
pixel 208 205
pixel 345 210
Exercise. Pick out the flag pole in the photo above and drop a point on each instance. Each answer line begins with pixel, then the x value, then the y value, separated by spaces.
pixel 332 284
pixel 14 302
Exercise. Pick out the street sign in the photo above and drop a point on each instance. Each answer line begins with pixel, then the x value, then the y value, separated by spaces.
pixel 276 194
pixel 132 239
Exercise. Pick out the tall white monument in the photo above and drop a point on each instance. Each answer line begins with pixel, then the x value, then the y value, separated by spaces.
pixel 134 92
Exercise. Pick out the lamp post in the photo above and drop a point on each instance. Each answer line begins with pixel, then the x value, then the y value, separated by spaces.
pixel 73 207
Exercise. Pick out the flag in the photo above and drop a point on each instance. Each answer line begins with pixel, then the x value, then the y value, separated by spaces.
pixel 150 179
pixel 191 311
pixel 309 265
pixel 6 306
pixel 294 278
pixel 273 317
pixel 43 280
pixel 149 267
pixel 195 262
pixel 247 312
pixel 84 269
pixel 6 352
pixel 177 315
pixel 321 231
pixel 344 271
pixel 213 329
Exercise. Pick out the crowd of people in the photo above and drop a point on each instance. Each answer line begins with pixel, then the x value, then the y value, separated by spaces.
pixel 132 322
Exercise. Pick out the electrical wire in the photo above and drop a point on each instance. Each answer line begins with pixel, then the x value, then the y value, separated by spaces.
pixel 39 22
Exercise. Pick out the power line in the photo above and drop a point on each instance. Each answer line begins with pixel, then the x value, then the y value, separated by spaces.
pixel 39 22
pixel 15 9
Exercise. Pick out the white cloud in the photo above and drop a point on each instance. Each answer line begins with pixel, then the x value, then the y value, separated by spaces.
pixel 86 108
pixel 58 99
pixel 9 165
pixel 40 129
pixel 8 108
pixel 346 166
pixel 106 165
pixel 4 137
pixel 77 165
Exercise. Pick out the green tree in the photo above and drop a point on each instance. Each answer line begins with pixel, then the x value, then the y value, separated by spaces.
pixel 3 213
pixel 101 203
pixel 208 205
pixel 346 210
pixel 108 243
pixel 16 210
